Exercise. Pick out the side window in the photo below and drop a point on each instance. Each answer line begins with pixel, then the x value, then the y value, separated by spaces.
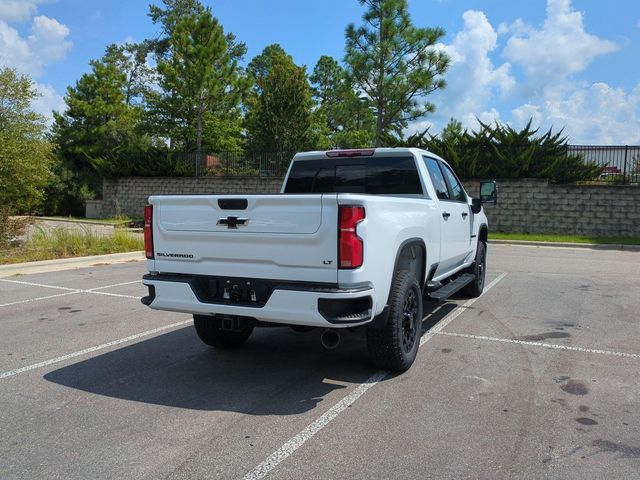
pixel 457 192
pixel 437 178
pixel 393 175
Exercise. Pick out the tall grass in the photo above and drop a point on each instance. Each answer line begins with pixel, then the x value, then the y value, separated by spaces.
pixel 45 244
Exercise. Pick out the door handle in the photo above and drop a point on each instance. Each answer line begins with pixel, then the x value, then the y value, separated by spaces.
pixel 445 215
pixel 464 214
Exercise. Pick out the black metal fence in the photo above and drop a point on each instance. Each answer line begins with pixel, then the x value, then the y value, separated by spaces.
pixel 620 163
pixel 232 163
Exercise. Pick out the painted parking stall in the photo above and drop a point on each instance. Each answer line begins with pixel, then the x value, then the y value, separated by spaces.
pixel 529 379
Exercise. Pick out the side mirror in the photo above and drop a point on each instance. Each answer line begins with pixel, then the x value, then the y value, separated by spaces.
pixel 488 193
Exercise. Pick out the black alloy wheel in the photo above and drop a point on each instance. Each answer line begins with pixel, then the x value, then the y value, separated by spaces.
pixel 410 323
pixel 394 346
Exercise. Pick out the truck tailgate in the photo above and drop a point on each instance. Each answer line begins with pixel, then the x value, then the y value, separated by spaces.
pixel 275 237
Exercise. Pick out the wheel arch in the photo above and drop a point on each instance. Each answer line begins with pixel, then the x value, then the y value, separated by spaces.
pixel 412 256
pixel 483 233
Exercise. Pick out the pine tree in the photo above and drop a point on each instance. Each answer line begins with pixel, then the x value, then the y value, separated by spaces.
pixel 200 77
pixel 280 113
pixel 395 64
pixel 350 120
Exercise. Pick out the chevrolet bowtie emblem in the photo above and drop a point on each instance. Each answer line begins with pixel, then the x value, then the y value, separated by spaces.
pixel 233 222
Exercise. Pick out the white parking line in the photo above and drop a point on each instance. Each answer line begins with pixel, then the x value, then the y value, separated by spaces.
pixel 18 302
pixel 68 290
pixel 31 284
pixel 541 344
pixel 322 421
pixel 108 294
pixel 295 442
pixel 17 371
pixel 116 285
pixel 437 328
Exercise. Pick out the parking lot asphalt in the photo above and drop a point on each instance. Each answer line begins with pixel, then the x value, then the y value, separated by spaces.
pixel 538 378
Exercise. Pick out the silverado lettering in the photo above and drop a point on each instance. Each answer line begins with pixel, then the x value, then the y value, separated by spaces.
pixel 175 255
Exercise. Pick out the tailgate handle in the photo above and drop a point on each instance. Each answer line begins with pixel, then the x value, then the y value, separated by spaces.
pixel 232 203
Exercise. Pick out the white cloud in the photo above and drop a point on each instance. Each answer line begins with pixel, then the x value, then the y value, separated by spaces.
pixel 489 117
pixel 522 114
pixel 552 57
pixel 546 89
pixel 48 101
pixel 46 43
pixel 559 49
pixel 597 113
pixel 473 80
pixel 18 10
pixel 48 40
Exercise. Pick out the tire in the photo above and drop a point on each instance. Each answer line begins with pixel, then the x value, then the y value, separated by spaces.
pixel 479 269
pixel 209 329
pixel 395 346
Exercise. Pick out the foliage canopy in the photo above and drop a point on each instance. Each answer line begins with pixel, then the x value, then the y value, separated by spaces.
pixel 25 153
pixel 500 151
pixel 395 64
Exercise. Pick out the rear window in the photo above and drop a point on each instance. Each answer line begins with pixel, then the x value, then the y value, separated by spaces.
pixel 376 176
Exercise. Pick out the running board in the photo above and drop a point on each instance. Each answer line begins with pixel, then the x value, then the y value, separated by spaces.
pixel 452 287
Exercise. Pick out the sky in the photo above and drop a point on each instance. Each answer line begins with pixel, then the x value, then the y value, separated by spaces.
pixel 566 64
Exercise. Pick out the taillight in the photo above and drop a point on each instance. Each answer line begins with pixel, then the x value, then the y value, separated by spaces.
pixel 148 231
pixel 350 247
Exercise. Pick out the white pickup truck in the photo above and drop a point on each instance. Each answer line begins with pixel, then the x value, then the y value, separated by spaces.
pixel 356 238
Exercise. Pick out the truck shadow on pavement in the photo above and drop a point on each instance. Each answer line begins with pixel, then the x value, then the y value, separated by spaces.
pixel 277 372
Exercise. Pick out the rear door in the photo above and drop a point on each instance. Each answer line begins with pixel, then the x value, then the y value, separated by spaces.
pixel 454 214
pixel 284 237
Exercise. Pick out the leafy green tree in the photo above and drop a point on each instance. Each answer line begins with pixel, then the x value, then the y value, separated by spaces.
pixel 350 120
pixel 395 64
pixel 25 154
pixel 201 76
pixel 280 114
pixel 97 118
pixel 260 65
pixel 103 126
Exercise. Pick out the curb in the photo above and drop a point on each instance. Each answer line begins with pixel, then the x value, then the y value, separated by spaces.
pixel 593 246
pixel 80 221
pixel 60 264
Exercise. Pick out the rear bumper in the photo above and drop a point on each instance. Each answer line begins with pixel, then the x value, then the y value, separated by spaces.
pixel 308 305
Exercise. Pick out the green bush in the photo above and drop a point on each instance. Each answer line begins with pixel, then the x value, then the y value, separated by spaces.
pixel 499 151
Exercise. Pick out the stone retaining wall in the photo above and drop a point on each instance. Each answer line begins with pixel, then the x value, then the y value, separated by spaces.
pixel 524 206
pixel 128 195
pixel 535 206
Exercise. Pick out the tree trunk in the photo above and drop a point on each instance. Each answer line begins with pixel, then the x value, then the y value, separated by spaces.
pixel 379 125
pixel 380 86
pixel 199 135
